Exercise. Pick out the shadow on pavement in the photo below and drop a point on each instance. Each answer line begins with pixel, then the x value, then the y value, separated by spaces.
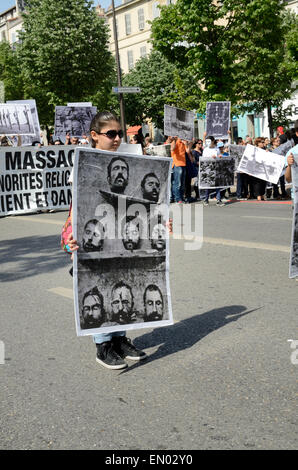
pixel 186 333
pixel 30 256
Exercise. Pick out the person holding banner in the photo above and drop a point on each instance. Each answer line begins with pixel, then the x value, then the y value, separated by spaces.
pixel 211 150
pixel 112 348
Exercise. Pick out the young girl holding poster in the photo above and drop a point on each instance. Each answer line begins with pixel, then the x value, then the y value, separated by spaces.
pixel 112 348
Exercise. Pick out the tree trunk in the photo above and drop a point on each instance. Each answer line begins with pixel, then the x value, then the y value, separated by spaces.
pixel 270 124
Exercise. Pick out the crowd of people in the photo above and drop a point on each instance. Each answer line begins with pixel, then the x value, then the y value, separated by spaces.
pixel 186 157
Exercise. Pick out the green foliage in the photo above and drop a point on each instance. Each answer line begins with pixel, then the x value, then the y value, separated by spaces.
pixel 239 51
pixel 64 54
pixel 10 73
pixel 161 83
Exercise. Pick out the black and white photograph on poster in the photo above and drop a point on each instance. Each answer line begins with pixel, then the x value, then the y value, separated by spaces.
pixel 178 122
pixel 27 139
pixel 216 172
pixel 16 119
pixel 120 212
pixel 293 267
pixel 218 119
pixel 236 152
pixel 161 150
pixel 73 120
pixel 267 166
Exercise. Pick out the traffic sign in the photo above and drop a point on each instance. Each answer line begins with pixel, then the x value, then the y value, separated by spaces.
pixel 126 89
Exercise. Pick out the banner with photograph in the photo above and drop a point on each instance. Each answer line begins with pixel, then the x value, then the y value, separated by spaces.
pixel 178 122
pixel 27 139
pixel 218 119
pixel 33 178
pixel 16 119
pixel 293 268
pixel 236 151
pixel 121 270
pixel 216 172
pixel 267 166
pixel 73 120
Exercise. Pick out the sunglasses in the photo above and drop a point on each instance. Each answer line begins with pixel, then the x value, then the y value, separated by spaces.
pixel 112 134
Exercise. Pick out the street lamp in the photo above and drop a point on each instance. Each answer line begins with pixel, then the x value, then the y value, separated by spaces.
pixel 119 81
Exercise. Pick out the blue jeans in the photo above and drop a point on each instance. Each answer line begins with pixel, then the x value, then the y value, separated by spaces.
pixel 208 191
pixel 103 337
pixel 178 184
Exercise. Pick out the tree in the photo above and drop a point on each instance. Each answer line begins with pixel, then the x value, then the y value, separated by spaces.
pixel 235 49
pixel 10 73
pixel 160 83
pixel 64 54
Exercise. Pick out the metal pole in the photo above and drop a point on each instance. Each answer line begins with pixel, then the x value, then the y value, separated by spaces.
pixel 121 97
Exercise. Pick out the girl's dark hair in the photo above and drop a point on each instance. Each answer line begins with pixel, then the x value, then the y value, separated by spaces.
pixel 99 121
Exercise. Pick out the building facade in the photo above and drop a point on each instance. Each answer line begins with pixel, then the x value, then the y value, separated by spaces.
pixel 133 29
pixel 10 24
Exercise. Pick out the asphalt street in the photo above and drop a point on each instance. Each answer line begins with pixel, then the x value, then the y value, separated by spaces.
pixel 220 378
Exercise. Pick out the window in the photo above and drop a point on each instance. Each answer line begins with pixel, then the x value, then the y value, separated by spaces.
pixel 141 18
pixel 143 51
pixel 130 59
pixel 127 24
pixel 155 10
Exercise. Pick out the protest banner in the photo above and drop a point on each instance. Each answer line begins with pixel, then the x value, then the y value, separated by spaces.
pixel 33 178
pixel 267 166
pixel 293 267
pixel 218 119
pixel 236 152
pixel 178 122
pixel 27 139
pixel 121 270
pixel 16 119
pixel 73 120
pixel 216 172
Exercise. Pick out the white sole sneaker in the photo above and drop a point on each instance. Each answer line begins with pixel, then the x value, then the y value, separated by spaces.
pixel 108 366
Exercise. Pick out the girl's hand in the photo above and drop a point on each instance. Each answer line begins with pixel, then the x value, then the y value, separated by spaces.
pixel 72 243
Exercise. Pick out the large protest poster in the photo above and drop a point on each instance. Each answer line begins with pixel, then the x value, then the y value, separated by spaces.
pixel 16 119
pixel 216 172
pixel 293 267
pixel 267 166
pixel 178 122
pixel 33 178
pixel 73 120
pixel 121 270
pixel 218 119
pixel 236 152
pixel 27 139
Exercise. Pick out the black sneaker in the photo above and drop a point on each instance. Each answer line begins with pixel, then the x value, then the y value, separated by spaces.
pixel 124 347
pixel 108 357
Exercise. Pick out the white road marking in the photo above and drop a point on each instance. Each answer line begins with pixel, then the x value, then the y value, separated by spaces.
pixel 39 220
pixel 237 243
pixel 261 217
pixel 63 291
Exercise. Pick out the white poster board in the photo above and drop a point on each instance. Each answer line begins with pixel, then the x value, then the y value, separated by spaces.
pixel 267 166
pixel 16 119
pixel 178 122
